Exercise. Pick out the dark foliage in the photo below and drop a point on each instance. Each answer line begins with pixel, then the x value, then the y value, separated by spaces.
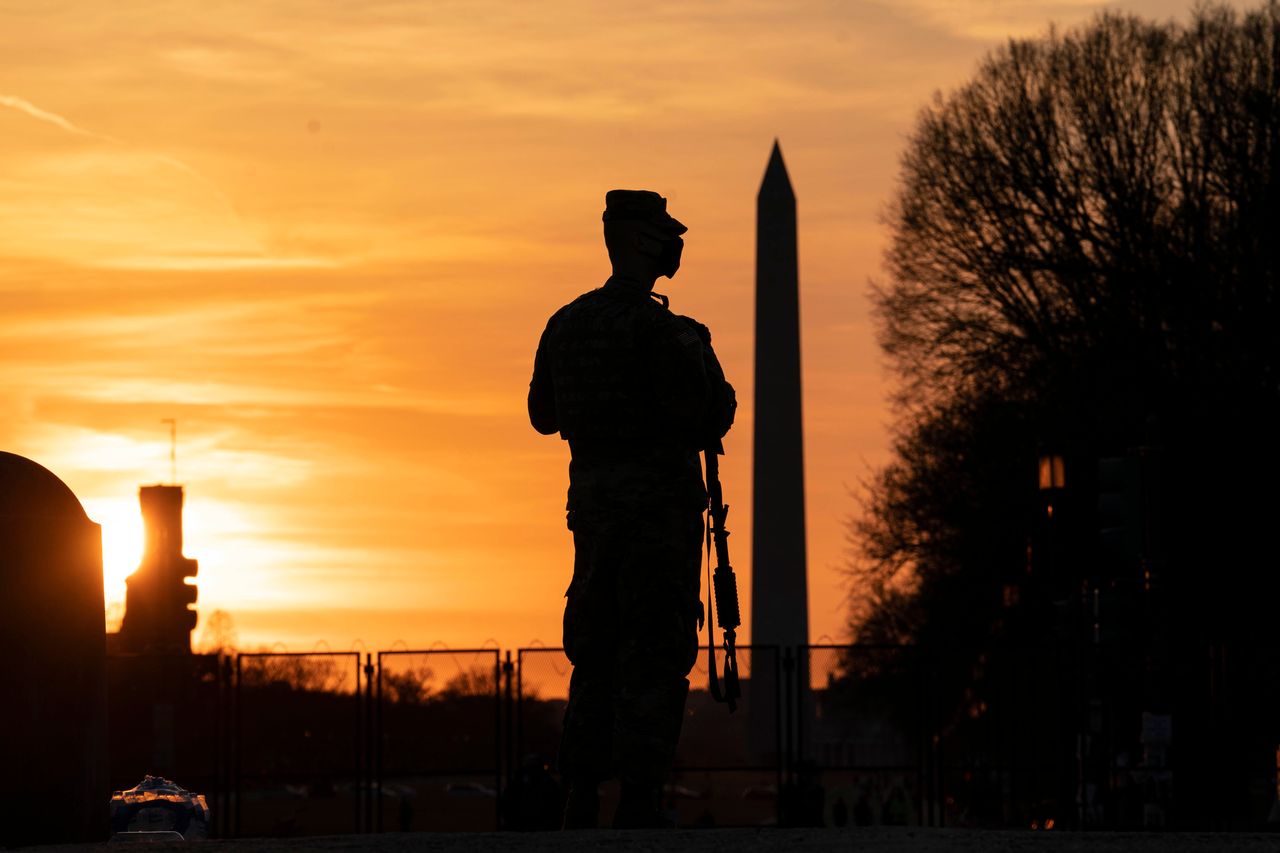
pixel 1084 261
pixel 1084 256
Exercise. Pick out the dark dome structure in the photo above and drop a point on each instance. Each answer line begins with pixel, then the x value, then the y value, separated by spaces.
pixel 28 488
pixel 54 668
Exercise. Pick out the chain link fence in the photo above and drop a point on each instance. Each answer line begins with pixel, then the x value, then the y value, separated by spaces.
pixel 299 765
pixel 438 763
pixel 1086 736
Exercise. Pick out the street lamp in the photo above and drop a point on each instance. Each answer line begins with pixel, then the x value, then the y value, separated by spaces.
pixel 1052 472
pixel 1053 476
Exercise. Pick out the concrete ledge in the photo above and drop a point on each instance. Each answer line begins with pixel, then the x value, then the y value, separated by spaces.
pixel 860 840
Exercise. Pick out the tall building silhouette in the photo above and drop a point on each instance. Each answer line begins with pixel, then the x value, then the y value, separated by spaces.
pixel 159 614
pixel 779 590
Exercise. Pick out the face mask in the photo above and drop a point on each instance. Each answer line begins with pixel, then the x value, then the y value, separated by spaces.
pixel 669 257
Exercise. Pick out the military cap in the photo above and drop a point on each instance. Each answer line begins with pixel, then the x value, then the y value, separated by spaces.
pixel 640 205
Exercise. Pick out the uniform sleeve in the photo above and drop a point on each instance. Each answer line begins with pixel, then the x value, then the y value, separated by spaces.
pixel 724 401
pixel 542 395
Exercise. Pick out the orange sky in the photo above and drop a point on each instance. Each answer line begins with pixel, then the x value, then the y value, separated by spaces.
pixel 326 236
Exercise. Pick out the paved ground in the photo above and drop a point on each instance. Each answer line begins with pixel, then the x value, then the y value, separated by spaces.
pixel 734 841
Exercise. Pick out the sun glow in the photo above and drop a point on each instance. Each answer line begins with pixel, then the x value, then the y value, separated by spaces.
pixel 216 533
pixel 121 522
pixel 230 545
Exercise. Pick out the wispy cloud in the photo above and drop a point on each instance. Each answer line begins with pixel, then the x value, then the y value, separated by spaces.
pixel 24 106
pixel 156 225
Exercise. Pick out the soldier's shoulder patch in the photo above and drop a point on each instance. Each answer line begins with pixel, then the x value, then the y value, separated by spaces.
pixel 688 338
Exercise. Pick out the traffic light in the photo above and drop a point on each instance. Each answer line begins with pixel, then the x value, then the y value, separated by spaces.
pixel 1120 509
pixel 187 592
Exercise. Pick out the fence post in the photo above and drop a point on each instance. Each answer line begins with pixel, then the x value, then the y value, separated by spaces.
pixel 801 694
pixel 506 743
pixel 366 788
pixel 238 766
pixel 517 741
pixel 223 818
pixel 377 748
pixel 786 718
pixel 1217 673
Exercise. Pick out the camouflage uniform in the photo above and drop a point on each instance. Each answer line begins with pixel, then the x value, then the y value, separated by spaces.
pixel 636 391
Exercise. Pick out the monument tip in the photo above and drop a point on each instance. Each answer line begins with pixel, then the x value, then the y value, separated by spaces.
pixel 776 180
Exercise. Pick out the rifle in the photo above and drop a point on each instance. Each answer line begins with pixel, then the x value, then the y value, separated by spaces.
pixel 725 585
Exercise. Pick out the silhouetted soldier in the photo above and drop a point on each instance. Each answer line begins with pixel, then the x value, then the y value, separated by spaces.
pixel 636 391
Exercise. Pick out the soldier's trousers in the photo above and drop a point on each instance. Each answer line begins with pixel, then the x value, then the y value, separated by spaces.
pixel 630 630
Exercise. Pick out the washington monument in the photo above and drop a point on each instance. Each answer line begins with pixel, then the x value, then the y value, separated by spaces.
pixel 779 594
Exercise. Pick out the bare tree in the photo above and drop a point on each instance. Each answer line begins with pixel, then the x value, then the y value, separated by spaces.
pixel 1085 237
pixel 218 635
pixel 1108 190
